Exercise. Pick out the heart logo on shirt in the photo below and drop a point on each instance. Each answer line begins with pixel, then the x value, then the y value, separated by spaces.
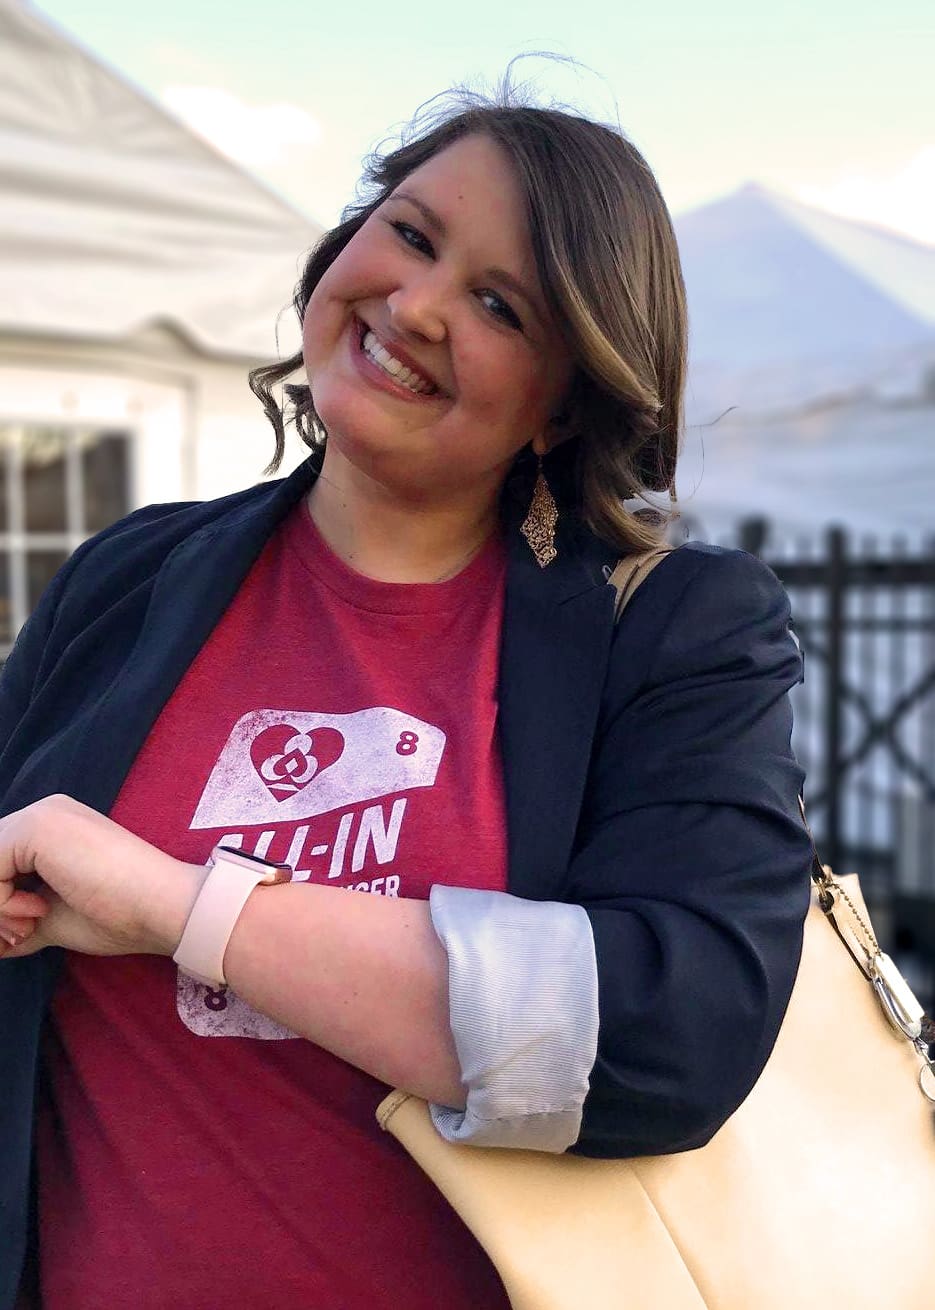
pixel 288 760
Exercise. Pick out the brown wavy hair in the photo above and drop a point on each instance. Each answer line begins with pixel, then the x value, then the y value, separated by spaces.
pixel 608 263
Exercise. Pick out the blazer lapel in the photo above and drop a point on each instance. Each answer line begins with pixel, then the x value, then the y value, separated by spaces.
pixel 558 626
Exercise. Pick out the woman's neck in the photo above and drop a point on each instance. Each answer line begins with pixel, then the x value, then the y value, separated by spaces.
pixel 391 539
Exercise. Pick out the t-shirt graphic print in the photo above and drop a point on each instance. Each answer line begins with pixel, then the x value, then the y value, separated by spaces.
pixel 314 773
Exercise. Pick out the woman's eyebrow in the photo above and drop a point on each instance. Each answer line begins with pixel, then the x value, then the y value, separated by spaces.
pixel 428 213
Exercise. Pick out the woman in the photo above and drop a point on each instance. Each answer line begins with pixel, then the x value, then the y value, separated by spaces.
pixel 585 871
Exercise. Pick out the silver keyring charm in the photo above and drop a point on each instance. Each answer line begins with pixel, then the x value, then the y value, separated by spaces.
pixel 927 1081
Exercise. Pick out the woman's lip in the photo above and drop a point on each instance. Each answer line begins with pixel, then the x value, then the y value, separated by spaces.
pixel 400 353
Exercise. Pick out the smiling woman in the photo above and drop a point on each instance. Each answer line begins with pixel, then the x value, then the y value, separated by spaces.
pixel 580 865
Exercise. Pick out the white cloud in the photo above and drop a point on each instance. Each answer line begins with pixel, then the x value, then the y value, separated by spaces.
pixel 254 135
pixel 903 200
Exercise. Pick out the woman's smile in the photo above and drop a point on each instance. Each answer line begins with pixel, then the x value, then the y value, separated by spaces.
pixel 384 363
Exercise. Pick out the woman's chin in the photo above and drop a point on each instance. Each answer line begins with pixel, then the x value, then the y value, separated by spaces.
pixel 404 469
pixel 366 445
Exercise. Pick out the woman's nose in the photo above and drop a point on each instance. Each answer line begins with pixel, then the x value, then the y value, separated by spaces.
pixel 417 309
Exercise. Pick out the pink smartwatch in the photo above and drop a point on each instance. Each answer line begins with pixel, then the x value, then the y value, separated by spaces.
pixel 232 876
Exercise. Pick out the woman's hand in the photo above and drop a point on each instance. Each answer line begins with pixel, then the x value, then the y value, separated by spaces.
pixel 72 877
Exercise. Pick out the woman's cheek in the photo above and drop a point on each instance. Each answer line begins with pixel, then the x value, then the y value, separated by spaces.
pixel 525 395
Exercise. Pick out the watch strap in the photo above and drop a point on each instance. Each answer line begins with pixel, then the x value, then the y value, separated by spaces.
pixel 218 906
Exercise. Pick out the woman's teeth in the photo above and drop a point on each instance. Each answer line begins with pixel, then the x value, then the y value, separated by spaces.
pixel 398 371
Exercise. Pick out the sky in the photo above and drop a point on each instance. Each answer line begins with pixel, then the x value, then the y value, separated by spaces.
pixel 831 102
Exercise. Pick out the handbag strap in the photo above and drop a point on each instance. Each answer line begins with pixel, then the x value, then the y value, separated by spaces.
pixel 891 989
pixel 630 573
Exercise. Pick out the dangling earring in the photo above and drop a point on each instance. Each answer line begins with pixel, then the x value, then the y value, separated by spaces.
pixel 539 524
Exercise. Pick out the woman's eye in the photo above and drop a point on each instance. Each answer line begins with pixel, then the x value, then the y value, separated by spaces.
pixel 413 237
pixel 499 308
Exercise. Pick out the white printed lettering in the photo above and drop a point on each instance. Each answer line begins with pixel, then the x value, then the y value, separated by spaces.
pixel 263 843
pixel 373 829
pixel 340 846
pixel 295 849
pixel 376 888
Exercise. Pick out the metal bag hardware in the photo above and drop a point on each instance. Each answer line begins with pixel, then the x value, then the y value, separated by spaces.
pixel 896 997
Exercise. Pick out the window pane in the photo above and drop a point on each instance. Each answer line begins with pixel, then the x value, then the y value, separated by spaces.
pixel 106 479
pixel 44 479
pixel 6 616
pixel 41 568
pixel 6 439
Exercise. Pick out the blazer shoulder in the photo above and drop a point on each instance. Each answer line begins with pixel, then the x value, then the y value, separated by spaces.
pixel 699 578
pixel 113 572
pixel 700 559
pixel 135 547
pixel 163 525
pixel 702 604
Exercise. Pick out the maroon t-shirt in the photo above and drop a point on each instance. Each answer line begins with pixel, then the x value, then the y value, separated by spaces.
pixel 193 1153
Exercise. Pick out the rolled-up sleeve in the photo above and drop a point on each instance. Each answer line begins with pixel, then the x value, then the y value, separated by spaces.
pixel 522 984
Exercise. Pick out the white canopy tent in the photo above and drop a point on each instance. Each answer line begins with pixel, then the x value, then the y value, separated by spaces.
pixel 131 251
pixel 116 216
pixel 141 275
pixel 814 337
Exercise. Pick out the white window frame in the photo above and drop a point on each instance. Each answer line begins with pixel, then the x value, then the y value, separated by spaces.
pixel 17 541
pixel 155 406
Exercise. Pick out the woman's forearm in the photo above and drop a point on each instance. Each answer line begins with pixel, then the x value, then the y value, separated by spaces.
pixel 363 976
pixel 366 977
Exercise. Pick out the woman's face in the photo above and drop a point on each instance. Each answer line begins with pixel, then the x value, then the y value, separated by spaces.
pixel 430 352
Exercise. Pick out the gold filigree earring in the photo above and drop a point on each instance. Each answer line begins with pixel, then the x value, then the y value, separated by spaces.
pixel 538 527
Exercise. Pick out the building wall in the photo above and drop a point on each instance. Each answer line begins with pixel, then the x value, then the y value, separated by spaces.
pixel 196 429
pixel 91 431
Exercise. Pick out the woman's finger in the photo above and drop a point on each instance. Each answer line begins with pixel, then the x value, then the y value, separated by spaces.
pixel 15 933
pixel 25 905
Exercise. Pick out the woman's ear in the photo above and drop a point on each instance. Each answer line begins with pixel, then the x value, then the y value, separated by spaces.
pixel 557 430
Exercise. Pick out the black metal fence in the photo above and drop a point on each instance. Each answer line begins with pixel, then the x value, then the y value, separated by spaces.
pixel 864 613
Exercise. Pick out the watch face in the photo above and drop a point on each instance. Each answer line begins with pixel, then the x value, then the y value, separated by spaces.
pixel 271 871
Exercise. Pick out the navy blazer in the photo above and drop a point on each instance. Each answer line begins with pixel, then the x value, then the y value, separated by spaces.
pixel 647 769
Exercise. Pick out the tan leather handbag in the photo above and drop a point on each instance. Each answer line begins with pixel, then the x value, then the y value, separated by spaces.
pixel 817 1194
